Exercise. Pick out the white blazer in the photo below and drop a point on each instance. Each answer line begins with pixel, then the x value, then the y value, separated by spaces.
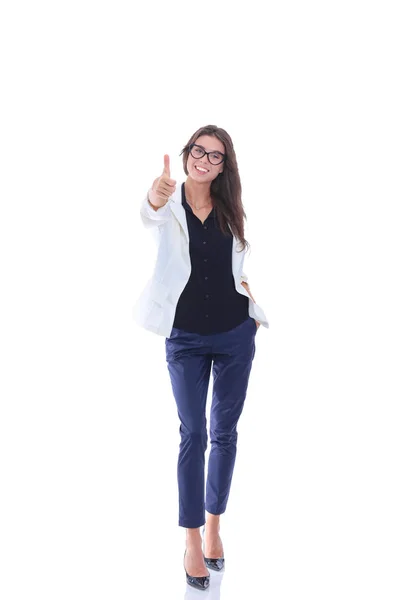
pixel 156 306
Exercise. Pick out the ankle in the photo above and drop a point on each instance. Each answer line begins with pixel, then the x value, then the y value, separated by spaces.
pixel 193 537
pixel 212 528
pixel 212 523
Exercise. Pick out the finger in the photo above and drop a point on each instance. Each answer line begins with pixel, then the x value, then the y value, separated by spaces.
pixel 166 166
pixel 169 181
pixel 166 189
pixel 164 196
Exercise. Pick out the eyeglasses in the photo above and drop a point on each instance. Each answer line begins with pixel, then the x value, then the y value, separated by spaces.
pixel 215 158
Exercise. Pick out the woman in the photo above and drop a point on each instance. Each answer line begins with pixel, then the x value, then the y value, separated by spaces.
pixel 199 300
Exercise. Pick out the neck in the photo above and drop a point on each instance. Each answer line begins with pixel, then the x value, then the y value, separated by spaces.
pixel 198 193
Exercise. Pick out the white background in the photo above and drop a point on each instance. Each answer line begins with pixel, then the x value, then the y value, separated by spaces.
pixel 93 95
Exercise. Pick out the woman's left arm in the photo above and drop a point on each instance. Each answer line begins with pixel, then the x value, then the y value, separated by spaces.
pixel 246 286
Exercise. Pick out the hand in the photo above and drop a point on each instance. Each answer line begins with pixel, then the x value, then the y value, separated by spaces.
pixel 258 324
pixel 163 187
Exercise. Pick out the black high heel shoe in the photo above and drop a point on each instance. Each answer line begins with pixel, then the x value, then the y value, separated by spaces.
pixel 217 564
pixel 200 583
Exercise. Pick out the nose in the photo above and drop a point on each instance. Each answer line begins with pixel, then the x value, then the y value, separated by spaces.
pixel 204 161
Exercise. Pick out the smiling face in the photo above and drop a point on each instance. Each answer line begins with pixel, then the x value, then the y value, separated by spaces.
pixel 209 143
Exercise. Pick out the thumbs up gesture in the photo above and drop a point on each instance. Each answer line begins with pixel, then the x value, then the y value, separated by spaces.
pixel 163 187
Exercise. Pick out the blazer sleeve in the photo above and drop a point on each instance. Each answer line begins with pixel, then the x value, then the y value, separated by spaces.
pixel 153 218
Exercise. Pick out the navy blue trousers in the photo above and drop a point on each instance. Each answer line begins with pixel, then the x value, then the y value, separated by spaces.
pixel 190 357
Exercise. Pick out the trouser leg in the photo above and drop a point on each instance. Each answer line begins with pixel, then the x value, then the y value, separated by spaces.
pixel 189 370
pixel 231 371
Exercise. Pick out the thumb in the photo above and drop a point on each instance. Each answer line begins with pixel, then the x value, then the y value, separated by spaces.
pixel 166 166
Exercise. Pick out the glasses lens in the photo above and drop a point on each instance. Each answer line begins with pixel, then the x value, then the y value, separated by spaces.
pixel 197 152
pixel 215 158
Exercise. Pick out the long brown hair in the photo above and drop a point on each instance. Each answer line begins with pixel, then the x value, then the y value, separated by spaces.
pixel 225 189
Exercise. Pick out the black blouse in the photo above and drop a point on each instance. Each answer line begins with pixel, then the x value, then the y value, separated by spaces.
pixel 210 302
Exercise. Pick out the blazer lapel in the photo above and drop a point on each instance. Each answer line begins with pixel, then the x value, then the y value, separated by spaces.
pixel 178 210
pixel 237 257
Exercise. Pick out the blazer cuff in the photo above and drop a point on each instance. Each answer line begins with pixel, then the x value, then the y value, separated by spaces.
pixel 155 217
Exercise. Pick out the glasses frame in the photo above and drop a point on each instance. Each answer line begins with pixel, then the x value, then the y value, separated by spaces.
pixel 204 151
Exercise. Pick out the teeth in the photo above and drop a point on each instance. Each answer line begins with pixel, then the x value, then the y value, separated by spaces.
pixel 200 169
